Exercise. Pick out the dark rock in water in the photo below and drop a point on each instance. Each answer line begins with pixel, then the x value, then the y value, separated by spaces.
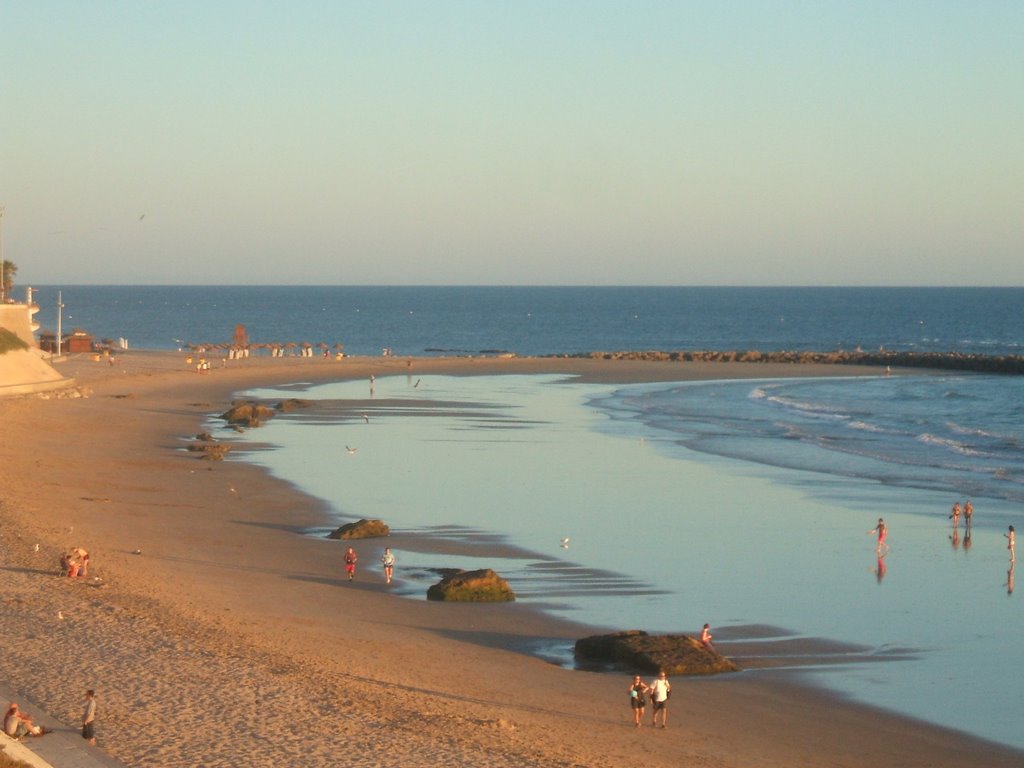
pixel 205 437
pixel 636 650
pixel 482 586
pixel 248 414
pixel 364 529
pixel 292 404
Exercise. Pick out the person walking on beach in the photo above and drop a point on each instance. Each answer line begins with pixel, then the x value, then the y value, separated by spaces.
pixel 388 560
pixel 350 563
pixel 955 514
pixel 968 514
pixel 89 717
pixel 1011 544
pixel 638 700
pixel 661 689
pixel 882 532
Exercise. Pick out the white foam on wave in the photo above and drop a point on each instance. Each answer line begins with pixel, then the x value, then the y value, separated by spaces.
pixel 807 407
pixel 866 427
pixel 952 445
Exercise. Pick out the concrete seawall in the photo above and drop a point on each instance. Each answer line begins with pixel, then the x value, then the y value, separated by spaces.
pixel 25 371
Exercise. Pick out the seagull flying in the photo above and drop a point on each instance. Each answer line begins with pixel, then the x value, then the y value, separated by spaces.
pixel 565 542
pixel 351 451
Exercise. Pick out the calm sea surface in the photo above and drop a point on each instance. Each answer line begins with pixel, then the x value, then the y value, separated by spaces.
pixel 555 320
pixel 738 503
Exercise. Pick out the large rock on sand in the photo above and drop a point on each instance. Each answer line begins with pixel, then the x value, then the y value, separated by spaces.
pixel 247 414
pixel 636 650
pixel 364 529
pixel 482 586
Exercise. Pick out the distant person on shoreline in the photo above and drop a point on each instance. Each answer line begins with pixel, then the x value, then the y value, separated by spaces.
pixel 955 514
pixel 89 717
pixel 638 700
pixel 350 563
pixel 1011 542
pixel 968 514
pixel 660 689
pixel 882 532
pixel 388 560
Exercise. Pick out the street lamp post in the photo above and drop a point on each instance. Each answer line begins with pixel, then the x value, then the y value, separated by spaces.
pixel 3 271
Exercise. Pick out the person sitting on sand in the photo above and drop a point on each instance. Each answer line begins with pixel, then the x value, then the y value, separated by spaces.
pixel 705 637
pixel 18 724
pixel 13 726
pixel 82 557
pixel 70 565
pixel 638 700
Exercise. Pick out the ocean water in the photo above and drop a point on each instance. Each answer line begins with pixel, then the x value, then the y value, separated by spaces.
pixel 738 503
pixel 547 320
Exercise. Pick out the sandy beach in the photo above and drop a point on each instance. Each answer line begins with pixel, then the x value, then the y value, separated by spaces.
pixel 216 634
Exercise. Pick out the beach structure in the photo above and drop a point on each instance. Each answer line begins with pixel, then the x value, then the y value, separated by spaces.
pixel 23 369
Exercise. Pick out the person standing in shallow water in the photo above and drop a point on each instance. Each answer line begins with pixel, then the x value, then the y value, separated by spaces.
pixel 882 532
pixel 350 563
pixel 638 700
pixel 1011 541
pixel 968 514
pixel 955 514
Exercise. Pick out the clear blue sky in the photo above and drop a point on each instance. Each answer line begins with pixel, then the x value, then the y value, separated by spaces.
pixel 745 143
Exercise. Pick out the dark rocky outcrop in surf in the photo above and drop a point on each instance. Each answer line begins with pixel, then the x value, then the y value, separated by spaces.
pixel 957 361
pixel 363 529
pixel 247 414
pixel 482 586
pixel 635 650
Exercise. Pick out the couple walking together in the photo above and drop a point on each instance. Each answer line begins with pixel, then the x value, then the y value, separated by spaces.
pixel 660 689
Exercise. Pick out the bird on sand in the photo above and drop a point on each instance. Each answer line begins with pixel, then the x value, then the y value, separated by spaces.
pixel 366 418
